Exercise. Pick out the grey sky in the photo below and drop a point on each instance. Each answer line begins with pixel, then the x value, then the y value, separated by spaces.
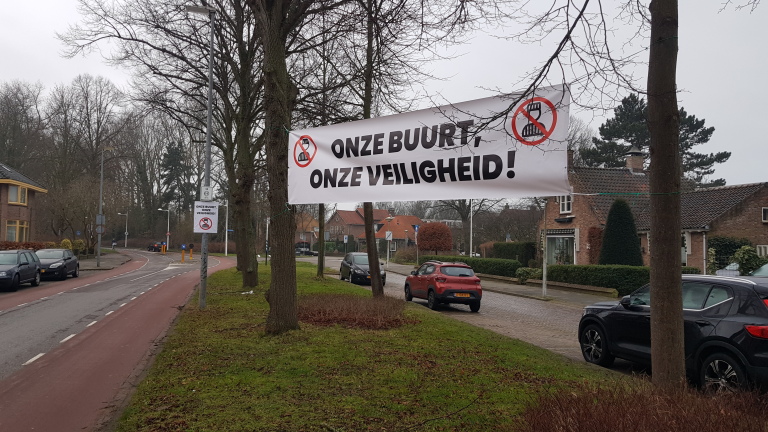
pixel 720 70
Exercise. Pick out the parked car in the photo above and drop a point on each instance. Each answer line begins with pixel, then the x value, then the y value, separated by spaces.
pixel 18 267
pixel 58 263
pixel 725 327
pixel 760 272
pixel 445 282
pixel 354 267
pixel 155 247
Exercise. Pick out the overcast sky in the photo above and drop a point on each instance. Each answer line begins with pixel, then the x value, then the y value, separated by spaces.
pixel 721 69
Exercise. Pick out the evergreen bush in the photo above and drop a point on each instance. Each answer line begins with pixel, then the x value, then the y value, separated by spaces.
pixel 621 245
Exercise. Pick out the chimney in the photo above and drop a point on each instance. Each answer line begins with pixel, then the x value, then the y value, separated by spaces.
pixel 635 159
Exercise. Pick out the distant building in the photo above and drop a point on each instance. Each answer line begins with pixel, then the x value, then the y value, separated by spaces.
pixel 17 203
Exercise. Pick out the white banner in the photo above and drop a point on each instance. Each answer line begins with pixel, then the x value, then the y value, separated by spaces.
pixel 477 149
pixel 206 217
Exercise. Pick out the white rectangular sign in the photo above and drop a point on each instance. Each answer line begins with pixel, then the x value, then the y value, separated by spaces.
pixel 486 148
pixel 206 217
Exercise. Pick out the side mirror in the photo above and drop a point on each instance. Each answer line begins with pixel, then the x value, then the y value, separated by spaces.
pixel 413 272
pixel 625 301
pixel 24 263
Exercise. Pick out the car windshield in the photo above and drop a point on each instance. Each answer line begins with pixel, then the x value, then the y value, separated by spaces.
pixel 360 259
pixel 457 271
pixel 50 254
pixel 762 271
pixel 7 258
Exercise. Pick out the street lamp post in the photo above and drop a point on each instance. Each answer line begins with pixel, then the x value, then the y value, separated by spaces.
pixel 126 227
pixel 167 229
pixel 211 12
pixel 100 225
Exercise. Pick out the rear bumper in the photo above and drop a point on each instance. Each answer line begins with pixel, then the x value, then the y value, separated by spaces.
pixel 459 296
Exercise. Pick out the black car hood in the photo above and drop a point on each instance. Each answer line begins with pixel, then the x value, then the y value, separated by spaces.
pixel 603 305
pixel 49 261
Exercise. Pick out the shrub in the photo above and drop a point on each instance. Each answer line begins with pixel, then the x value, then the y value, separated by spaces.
pixel 435 236
pixel 377 313
pixel 491 266
pixel 624 279
pixel 725 247
pixel 78 246
pixel 405 255
pixel 748 260
pixel 525 273
pixel 621 245
pixel 520 251
pixel 66 244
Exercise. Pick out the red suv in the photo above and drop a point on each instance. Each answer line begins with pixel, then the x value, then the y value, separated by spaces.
pixel 444 282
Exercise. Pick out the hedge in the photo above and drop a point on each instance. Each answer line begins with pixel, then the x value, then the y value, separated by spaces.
pixel 523 252
pixel 625 279
pixel 492 266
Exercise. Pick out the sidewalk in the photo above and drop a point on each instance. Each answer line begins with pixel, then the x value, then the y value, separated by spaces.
pixel 108 261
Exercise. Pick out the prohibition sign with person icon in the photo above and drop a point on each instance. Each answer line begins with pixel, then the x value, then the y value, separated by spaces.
pixel 206 223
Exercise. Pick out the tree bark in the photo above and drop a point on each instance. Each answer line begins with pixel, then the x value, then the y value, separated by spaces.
pixel 377 288
pixel 279 96
pixel 667 348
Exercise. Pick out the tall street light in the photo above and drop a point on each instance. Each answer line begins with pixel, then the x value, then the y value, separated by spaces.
pixel 168 228
pixel 126 227
pixel 211 12
pixel 100 223
pixel 226 228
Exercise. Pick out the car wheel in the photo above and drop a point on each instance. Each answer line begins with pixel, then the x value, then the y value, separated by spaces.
pixel 383 281
pixel 77 271
pixel 408 295
pixel 341 275
pixel 721 373
pixel 432 300
pixel 474 306
pixel 36 280
pixel 594 346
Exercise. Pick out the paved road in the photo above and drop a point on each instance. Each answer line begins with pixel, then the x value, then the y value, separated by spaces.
pixel 89 339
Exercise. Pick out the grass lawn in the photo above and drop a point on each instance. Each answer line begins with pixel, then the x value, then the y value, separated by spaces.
pixel 218 371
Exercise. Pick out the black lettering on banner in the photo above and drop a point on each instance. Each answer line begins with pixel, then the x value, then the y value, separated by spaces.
pixel 411 145
pixel 463 168
pixel 464 126
pixel 330 177
pixel 476 167
pixel 386 171
pixel 415 170
pixel 316 179
pixel 344 174
pixel 338 149
pixel 446 134
pixel 396 168
pixel 373 180
pixel 378 144
pixel 427 171
pixel 395 141
pixel 352 146
pixel 428 143
pixel 404 172
pixel 510 163
pixel 442 169
pixel 356 174
pixel 366 141
pixel 489 174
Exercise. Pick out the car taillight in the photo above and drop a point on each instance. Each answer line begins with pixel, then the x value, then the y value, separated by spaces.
pixel 757 331
pixel 765 301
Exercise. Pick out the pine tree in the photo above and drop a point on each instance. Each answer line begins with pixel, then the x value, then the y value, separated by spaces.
pixel 628 128
pixel 621 245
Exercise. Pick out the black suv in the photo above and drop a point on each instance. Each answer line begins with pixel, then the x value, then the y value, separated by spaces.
pixel 18 267
pixel 354 267
pixel 725 328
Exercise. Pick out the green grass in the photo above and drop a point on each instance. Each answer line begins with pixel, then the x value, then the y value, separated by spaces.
pixel 218 371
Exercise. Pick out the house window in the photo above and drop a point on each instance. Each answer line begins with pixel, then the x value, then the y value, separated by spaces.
pixel 565 203
pixel 762 250
pixel 765 214
pixel 16 231
pixel 17 194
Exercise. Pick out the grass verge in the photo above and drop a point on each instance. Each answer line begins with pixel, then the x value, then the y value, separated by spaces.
pixel 218 371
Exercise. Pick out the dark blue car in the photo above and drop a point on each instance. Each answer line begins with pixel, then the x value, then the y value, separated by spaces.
pixel 18 267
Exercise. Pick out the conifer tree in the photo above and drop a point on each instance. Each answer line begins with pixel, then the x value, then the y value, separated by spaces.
pixel 621 245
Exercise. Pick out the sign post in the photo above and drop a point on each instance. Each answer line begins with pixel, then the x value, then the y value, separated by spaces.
pixel 389 246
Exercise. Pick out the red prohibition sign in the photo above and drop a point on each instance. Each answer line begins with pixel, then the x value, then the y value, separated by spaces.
pixel 533 128
pixel 304 151
pixel 206 223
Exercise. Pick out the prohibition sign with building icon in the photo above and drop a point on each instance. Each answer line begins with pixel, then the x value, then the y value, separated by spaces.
pixel 534 116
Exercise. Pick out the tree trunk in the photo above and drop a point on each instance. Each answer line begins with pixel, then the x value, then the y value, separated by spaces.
pixel 667 348
pixel 320 239
pixel 377 288
pixel 279 96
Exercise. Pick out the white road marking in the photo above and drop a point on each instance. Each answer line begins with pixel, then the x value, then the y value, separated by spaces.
pixel 68 338
pixel 108 313
pixel 122 305
pixel 33 359
pixel 92 323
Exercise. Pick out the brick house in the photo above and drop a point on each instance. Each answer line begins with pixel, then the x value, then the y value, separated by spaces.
pixel 307 229
pixel 17 203
pixel 352 223
pixel 403 230
pixel 574 223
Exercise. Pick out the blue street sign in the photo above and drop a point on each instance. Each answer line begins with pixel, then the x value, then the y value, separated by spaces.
pixel 77 232
pixel 416 227
pixel 183 246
